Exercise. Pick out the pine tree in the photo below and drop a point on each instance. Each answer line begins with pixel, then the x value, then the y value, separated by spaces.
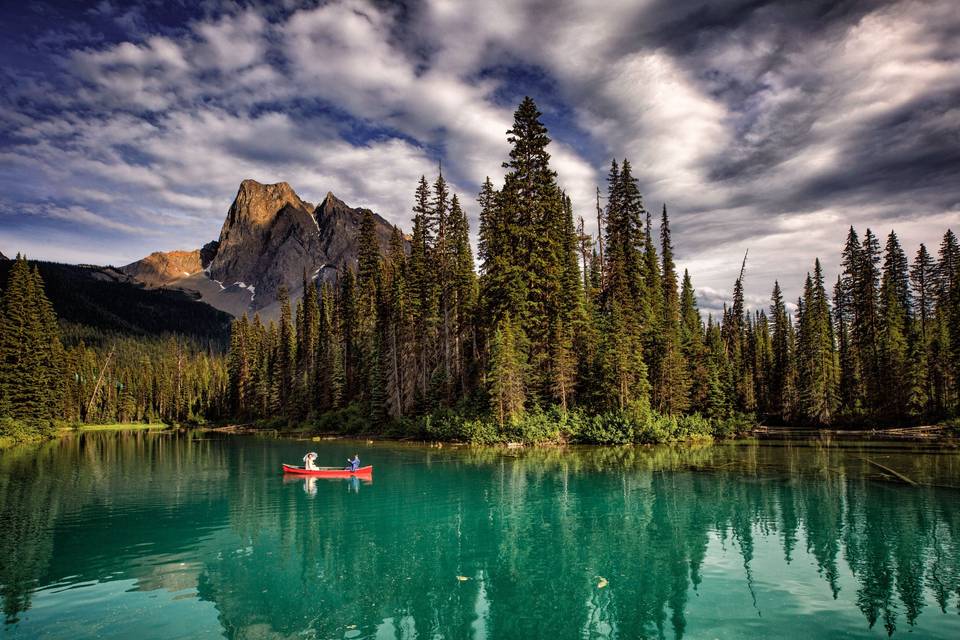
pixel 506 375
pixel 441 268
pixel 31 354
pixel 692 344
pixel 348 362
pixel 671 390
pixel 396 330
pixel 563 365
pixel 464 292
pixel 286 351
pixel 895 307
pixel 528 279
pixel 849 326
pixel 817 364
pixel 719 403
pixel 420 285
pixel 624 372
pixel 867 319
pixel 366 341
pixel 741 388
pixel 780 348
pixel 948 318
pixel 923 278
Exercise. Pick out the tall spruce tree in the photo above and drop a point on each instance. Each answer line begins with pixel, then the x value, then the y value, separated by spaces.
pixel 780 347
pixel 816 358
pixel 529 275
pixel 692 344
pixel 463 294
pixel 31 354
pixel 946 345
pixel 895 310
pixel 506 376
pixel 671 390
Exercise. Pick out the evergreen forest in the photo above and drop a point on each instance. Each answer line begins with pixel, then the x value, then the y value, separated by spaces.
pixel 116 357
pixel 566 337
pixel 549 334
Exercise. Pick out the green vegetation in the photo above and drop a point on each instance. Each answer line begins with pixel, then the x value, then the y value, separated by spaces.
pixel 560 337
pixel 54 375
pixel 566 337
pixel 121 426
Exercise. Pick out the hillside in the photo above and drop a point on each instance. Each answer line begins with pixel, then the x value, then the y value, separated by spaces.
pixel 102 298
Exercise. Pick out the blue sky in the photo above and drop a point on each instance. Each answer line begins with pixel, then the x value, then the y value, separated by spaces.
pixel 768 126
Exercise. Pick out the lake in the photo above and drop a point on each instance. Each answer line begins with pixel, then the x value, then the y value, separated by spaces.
pixel 192 535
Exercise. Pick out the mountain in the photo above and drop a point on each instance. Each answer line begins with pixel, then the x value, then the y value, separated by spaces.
pixel 161 268
pixel 270 238
pixel 3 257
pixel 105 299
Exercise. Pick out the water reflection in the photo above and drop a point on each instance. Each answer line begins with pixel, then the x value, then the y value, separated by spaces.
pixel 310 484
pixel 595 543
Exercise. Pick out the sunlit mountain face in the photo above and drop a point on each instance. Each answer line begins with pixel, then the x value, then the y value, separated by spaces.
pixel 768 126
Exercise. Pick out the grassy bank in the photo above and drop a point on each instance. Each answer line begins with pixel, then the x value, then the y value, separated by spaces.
pixel 13 432
pixel 120 426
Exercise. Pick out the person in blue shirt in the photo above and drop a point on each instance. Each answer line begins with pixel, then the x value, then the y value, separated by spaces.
pixel 354 464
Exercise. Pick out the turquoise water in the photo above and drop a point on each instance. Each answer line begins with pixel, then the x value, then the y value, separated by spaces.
pixel 161 535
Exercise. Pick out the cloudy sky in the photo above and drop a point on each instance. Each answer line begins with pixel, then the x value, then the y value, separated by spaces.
pixel 770 126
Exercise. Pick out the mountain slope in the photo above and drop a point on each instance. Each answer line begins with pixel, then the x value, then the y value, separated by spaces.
pixel 270 238
pixel 110 301
pixel 160 268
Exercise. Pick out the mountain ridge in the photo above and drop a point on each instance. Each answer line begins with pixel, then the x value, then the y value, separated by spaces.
pixel 270 238
pixel 107 300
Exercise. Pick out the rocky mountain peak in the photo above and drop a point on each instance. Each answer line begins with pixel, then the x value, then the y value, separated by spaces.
pixel 251 225
pixel 256 204
pixel 271 238
pixel 3 257
pixel 331 202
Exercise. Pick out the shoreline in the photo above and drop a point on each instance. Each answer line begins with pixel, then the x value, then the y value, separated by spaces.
pixel 907 435
pixel 119 426
pixel 918 434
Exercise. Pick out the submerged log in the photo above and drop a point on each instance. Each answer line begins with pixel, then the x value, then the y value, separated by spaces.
pixel 896 474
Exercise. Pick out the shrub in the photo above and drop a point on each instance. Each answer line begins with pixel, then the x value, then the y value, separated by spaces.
pixel 350 420
pixel 27 430
pixel 736 425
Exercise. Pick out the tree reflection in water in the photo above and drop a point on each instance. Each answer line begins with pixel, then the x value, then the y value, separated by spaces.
pixel 629 542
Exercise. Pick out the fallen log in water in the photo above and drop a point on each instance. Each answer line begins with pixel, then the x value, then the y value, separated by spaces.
pixel 896 474
pixel 919 433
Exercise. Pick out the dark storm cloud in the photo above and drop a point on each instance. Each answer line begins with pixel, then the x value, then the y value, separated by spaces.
pixel 912 153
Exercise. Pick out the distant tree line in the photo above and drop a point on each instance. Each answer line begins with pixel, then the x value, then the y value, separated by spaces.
pixel 600 334
pixel 64 374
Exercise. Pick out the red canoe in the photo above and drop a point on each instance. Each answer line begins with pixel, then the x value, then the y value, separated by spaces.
pixel 329 472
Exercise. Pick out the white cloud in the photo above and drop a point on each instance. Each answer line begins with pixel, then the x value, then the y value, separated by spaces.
pixel 233 42
pixel 157 132
pixel 73 213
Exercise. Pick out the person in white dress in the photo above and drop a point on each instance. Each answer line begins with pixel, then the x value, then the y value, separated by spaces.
pixel 308 461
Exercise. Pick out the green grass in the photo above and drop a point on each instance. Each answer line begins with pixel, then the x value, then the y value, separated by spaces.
pixel 121 426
